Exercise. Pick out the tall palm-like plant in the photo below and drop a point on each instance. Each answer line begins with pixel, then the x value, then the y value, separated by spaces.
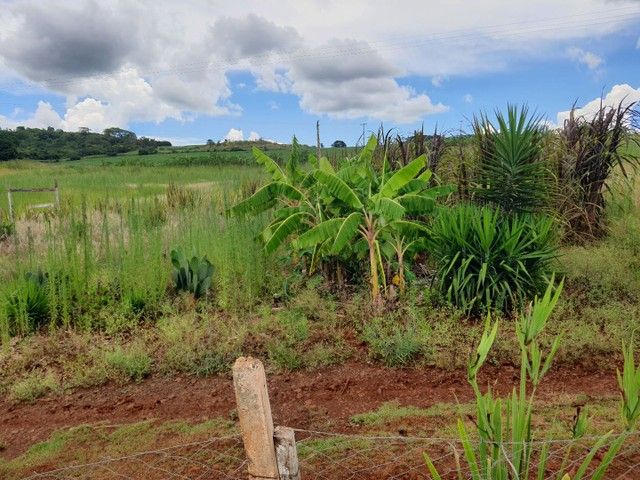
pixel 511 173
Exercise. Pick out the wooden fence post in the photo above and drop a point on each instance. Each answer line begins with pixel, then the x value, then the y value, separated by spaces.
pixel 254 414
pixel 286 453
pixel 10 201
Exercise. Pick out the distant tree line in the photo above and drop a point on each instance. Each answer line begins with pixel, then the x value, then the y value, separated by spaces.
pixel 54 144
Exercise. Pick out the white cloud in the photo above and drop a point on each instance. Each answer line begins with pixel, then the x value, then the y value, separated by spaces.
pixel 468 98
pixel 363 87
pixel 153 60
pixel 437 80
pixel 619 93
pixel 253 136
pixel 234 135
pixel 589 59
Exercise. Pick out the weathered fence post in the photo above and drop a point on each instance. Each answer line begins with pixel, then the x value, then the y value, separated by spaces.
pixel 254 413
pixel 10 201
pixel 286 453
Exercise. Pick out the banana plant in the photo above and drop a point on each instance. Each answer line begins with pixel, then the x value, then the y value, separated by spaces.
pixel 290 191
pixel 362 205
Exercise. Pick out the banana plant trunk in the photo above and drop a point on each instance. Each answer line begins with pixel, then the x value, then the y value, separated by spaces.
pixel 373 258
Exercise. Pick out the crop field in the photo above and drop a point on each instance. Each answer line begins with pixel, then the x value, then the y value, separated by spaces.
pixel 157 271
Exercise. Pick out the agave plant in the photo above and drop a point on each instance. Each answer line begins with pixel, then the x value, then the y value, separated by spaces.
pixel 193 276
pixel 511 173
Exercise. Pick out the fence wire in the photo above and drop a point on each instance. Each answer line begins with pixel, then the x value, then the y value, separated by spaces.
pixel 216 458
pixel 327 456
pixel 331 456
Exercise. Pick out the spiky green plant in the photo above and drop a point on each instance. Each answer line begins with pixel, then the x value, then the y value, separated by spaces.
pixel 191 275
pixel 504 428
pixel 511 174
pixel 488 260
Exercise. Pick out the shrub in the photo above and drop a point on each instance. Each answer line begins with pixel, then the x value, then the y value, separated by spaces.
pixel 392 342
pixel 590 149
pixel 133 363
pixel 487 260
pixel 34 386
pixel 193 275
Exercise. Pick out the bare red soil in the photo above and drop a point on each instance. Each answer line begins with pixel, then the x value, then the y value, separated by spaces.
pixel 320 400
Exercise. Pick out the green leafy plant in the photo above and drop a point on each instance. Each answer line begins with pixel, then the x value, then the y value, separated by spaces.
pixel 365 208
pixel 487 260
pixel 511 173
pixel 193 276
pixel 505 446
pixel 346 213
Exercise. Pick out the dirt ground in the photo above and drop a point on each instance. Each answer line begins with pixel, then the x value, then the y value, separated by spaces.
pixel 319 400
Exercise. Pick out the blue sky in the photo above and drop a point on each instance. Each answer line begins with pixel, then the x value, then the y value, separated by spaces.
pixel 193 70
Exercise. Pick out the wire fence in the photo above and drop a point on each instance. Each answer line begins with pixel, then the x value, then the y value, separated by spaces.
pixel 216 458
pixel 331 456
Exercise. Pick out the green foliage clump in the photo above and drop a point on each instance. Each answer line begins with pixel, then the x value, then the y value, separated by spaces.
pixel 132 363
pixel 193 276
pixel 487 260
pixel 392 342
pixel 33 386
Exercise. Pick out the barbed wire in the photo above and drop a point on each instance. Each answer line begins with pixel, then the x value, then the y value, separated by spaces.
pixel 337 456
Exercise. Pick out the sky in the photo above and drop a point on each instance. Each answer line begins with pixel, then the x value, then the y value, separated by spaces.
pixel 193 70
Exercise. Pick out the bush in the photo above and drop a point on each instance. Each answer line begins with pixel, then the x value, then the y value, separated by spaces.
pixel 133 363
pixel 392 342
pixel 487 260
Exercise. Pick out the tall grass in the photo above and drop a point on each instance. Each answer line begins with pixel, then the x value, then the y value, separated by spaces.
pixel 107 258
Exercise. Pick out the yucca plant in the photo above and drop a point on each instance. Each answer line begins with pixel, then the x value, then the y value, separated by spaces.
pixel 511 173
pixel 191 275
pixel 488 260
pixel 503 443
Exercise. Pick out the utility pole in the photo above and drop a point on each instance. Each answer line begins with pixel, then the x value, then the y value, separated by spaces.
pixel 318 151
pixel 364 124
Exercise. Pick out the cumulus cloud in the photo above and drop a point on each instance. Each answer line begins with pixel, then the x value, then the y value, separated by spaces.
pixel 589 59
pixel 151 60
pixel 254 136
pixel 363 87
pixel 237 38
pixel 619 93
pixel 234 135
pixel 64 41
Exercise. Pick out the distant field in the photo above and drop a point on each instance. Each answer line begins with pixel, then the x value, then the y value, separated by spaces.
pixel 134 176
